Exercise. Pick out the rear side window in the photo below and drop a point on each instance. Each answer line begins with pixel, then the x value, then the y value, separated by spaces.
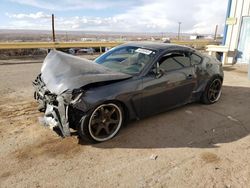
pixel 174 61
pixel 195 59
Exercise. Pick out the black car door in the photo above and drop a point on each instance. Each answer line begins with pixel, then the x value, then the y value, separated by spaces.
pixel 173 87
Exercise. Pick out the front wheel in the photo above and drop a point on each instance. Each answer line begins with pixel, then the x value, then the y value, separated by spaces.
pixel 103 123
pixel 212 92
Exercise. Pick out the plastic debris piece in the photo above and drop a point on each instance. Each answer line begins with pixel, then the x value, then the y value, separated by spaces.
pixel 153 157
pixel 232 119
pixel 188 112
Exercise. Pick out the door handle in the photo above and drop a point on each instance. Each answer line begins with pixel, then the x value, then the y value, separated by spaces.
pixel 190 76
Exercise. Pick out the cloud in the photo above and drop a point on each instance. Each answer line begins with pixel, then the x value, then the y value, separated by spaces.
pixel 40 20
pixel 148 16
pixel 209 14
pixel 64 5
pixel 38 15
pixel 164 15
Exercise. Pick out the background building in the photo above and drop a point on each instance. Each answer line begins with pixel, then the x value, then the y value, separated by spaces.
pixel 237 31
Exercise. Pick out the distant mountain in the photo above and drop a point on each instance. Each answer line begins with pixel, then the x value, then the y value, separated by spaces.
pixel 44 32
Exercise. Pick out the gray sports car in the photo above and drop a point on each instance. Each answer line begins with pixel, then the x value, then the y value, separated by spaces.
pixel 128 82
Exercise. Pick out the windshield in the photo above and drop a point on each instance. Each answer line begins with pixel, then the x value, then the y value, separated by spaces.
pixel 129 59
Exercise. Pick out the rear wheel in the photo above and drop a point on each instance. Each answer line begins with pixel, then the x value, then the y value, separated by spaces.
pixel 212 92
pixel 103 123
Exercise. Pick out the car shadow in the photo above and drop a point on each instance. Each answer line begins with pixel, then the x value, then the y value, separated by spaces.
pixel 195 125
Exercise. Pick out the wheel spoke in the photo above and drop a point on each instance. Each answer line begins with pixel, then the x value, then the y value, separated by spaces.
pixel 98 130
pixel 209 93
pixel 95 121
pixel 106 128
pixel 216 85
pixel 111 112
pixel 210 96
pixel 217 92
pixel 113 121
pixel 102 111
pixel 211 90
pixel 213 96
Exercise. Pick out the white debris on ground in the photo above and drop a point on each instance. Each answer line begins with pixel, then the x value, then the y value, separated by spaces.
pixel 153 157
pixel 232 119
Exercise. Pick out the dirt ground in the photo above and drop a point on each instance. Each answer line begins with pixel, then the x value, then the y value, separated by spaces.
pixel 192 146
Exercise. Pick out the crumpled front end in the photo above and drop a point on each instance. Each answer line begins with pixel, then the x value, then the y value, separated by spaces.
pixel 55 88
pixel 57 108
pixel 53 106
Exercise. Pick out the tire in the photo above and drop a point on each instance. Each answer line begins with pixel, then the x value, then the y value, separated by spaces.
pixel 102 124
pixel 212 92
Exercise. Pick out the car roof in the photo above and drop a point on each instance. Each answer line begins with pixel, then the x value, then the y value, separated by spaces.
pixel 158 46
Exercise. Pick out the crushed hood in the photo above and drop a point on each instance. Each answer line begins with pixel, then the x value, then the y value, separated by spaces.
pixel 61 72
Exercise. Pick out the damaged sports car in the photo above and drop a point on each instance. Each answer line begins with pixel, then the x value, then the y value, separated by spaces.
pixel 129 82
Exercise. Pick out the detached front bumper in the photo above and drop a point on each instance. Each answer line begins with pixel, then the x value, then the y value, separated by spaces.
pixel 56 108
pixel 57 116
pixel 50 118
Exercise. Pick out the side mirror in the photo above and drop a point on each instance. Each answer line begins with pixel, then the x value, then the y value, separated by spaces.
pixel 159 72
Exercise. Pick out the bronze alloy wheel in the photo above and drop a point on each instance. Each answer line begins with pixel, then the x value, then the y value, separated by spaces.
pixel 105 122
pixel 214 90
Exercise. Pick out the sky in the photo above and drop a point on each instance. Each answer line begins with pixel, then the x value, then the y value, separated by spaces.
pixel 196 16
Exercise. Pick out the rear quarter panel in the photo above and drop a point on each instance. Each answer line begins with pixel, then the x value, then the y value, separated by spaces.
pixel 205 71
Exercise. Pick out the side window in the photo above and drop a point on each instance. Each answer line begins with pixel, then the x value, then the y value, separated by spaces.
pixel 174 61
pixel 195 59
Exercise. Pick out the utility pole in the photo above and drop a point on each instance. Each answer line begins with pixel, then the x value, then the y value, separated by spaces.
pixel 179 30
pixel 53 29
pixel 215 32
pixel 67 36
